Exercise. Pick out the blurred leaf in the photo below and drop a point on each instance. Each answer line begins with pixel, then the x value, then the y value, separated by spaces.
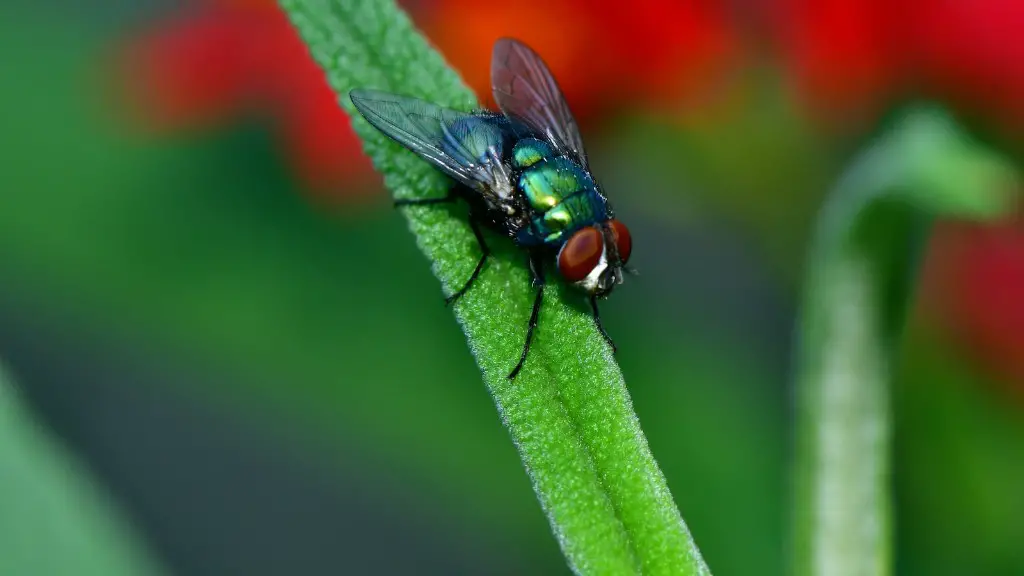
pixel 859 280
pixel 568 413
pixel 55 521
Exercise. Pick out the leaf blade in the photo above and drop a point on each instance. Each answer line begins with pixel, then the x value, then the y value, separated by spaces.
pixel 568 412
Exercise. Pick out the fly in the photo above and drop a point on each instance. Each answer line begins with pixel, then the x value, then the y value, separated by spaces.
pixel 523 172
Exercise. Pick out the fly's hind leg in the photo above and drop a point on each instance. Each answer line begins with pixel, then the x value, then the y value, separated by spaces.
pixel 485 252
pixel 452 196
pixel 537 274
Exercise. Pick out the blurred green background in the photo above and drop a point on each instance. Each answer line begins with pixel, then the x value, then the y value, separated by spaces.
pixel 207 298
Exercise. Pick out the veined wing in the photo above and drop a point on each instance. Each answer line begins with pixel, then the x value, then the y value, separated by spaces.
pixel 461 145
pixel 524 89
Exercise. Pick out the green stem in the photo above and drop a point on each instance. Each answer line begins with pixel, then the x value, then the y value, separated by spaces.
pixel 568 412
pixel 55 519
pixel 860 279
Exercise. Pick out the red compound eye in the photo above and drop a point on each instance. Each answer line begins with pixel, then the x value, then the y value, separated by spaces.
pixel 581 254
pixel 623 241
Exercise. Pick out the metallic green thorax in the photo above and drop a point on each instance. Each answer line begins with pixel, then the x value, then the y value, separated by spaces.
pixel 561 192
pixel 529 151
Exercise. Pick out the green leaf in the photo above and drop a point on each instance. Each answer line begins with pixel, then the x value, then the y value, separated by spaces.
pixel 568 412
pixel 859 280
pixel 55 521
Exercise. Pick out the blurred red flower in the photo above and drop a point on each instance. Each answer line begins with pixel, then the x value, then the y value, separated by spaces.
pixel 217 61
pixel 970 52
pixel 852 57
pixel 221 59
pixel 974 278
pixel 605 54
pixel 842 54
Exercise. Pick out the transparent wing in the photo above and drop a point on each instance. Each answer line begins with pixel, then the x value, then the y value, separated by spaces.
pixel 462 145
pixel 524 89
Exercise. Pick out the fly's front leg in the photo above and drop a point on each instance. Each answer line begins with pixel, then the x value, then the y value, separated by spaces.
pixel 600 327
pixel 537 276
